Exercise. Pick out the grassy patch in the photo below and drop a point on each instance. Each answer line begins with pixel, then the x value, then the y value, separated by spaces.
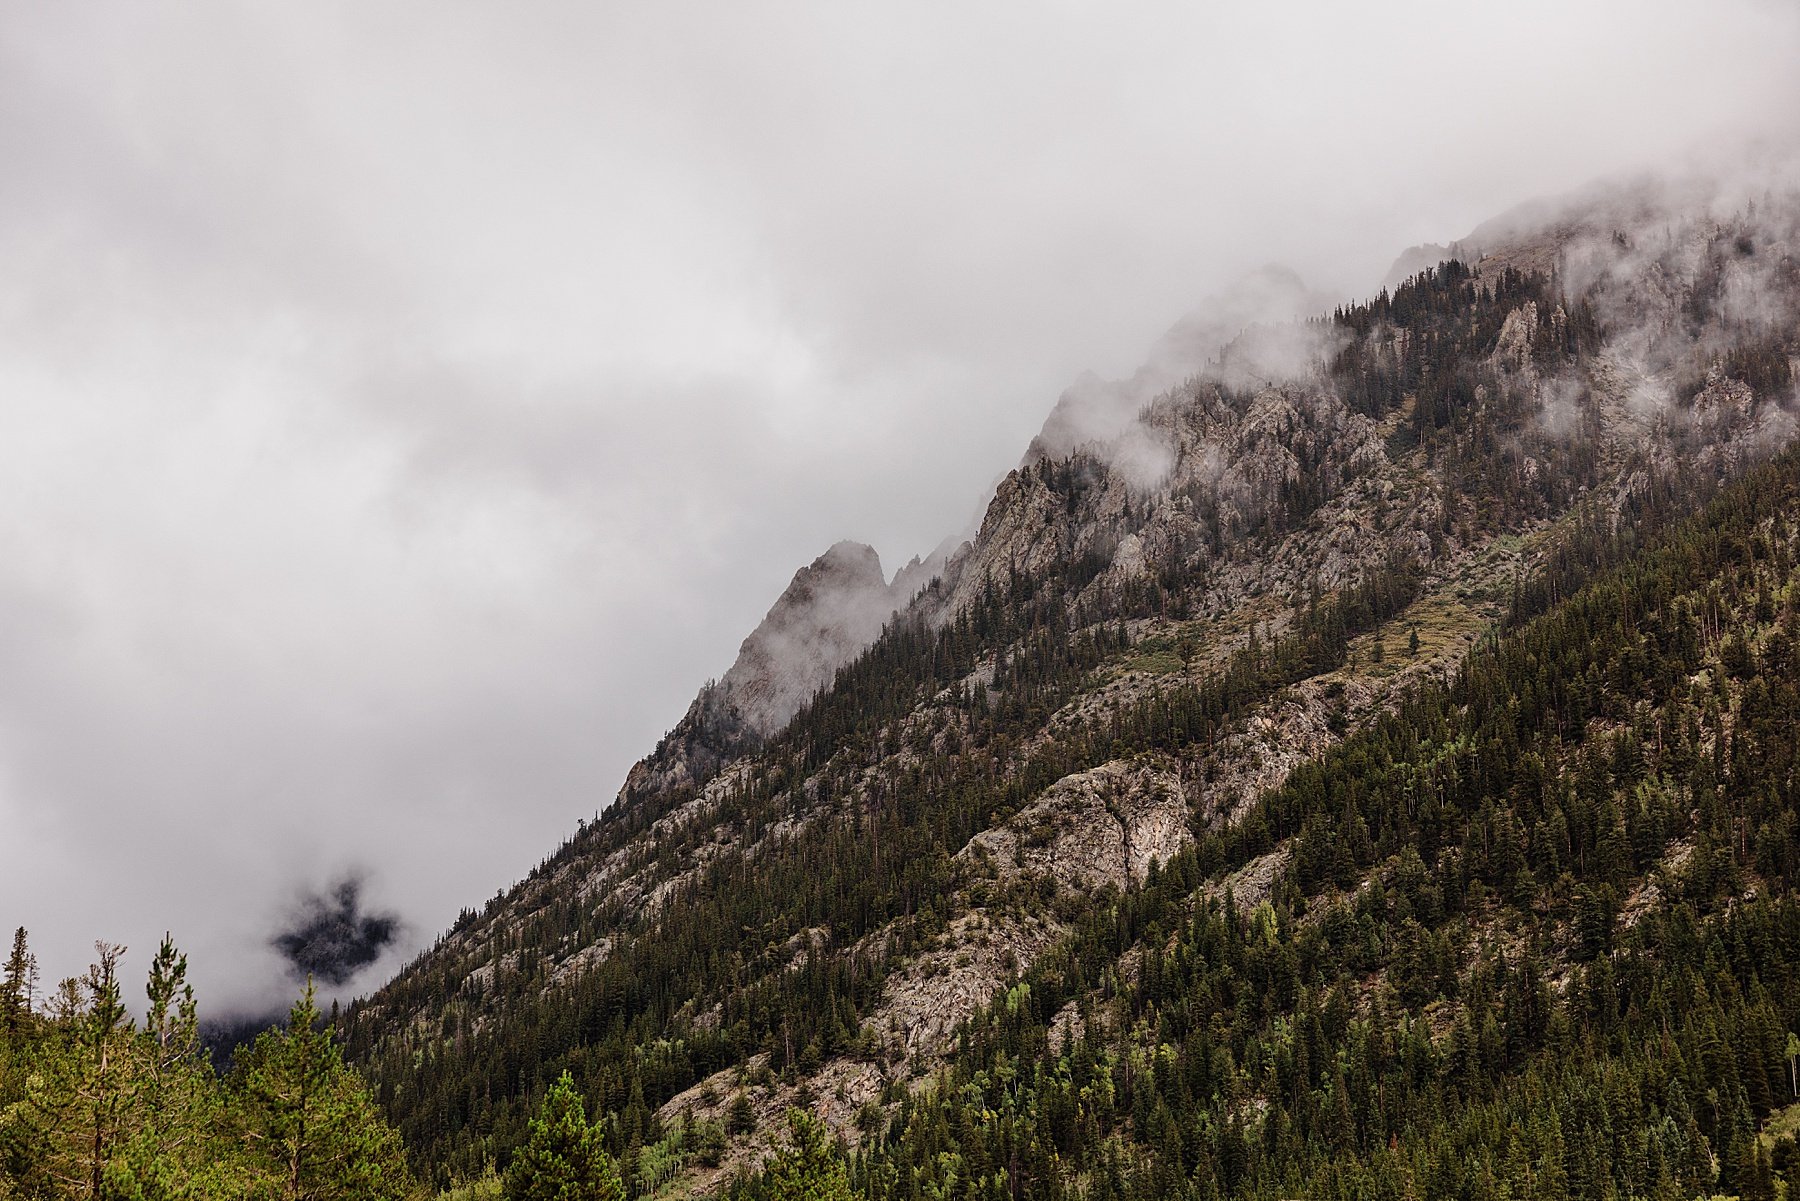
pixel 1161 653
pixel 485 1189
pixel 1156 662
pixel 1449 617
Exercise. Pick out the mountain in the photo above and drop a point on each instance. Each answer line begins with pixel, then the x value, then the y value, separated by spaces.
pixel 1097 410
pixel 1363 765
pixel 830 612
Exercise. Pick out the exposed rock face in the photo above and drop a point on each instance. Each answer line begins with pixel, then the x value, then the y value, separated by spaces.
pixel 831 611
pixel 1204 469
pixel 926 1001
pixel 1093 829
pixel 1097 827
pixel 1096 410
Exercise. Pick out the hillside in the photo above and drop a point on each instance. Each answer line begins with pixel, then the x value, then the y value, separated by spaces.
pixel 1332 780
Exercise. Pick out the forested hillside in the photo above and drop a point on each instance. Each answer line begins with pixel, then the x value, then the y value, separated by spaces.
pixel 1369 773
pixel 1535 934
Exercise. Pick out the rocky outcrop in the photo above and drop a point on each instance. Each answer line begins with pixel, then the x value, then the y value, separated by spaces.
pixel 1103 826
pixel 926 1000
pixel 1225 467
pixel 1094 410
pixel 833 609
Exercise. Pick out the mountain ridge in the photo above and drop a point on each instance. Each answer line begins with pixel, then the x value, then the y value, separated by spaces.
pixel 1129 656
pixel 829 612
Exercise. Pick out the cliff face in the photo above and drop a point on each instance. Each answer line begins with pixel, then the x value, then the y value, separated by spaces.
pixel 1176 601
pixel 831 611
pixel 1200 473
pixel 1093 410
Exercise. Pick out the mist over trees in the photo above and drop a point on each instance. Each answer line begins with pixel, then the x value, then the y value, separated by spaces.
pixel 332 935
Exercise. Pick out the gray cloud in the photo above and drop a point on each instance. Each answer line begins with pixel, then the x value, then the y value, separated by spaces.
pixel 404 408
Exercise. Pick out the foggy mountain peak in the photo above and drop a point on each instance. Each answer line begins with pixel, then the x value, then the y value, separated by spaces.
pixel 1096 410
pixel 833 608
pixel 1254 340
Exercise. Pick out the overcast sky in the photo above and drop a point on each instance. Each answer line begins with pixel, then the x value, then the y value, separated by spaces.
pixel 405 407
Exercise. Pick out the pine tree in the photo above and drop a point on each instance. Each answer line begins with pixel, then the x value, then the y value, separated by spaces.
pixel 91 1108
pixel 105 1094
pixel 79 1103
pixel 19 984
pixel 808 1168
pixel 313 1130
pixel 741 1118
pixel 564 1157
pixel 175 1151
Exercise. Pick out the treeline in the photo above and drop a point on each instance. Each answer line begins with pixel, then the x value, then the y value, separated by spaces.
pixel 94 1106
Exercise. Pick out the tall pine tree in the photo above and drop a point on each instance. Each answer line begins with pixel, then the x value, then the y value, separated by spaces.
pixel 564 1157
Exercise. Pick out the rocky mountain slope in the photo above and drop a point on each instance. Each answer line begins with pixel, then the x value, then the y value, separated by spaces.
pixel 897 810
pixel 831 611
